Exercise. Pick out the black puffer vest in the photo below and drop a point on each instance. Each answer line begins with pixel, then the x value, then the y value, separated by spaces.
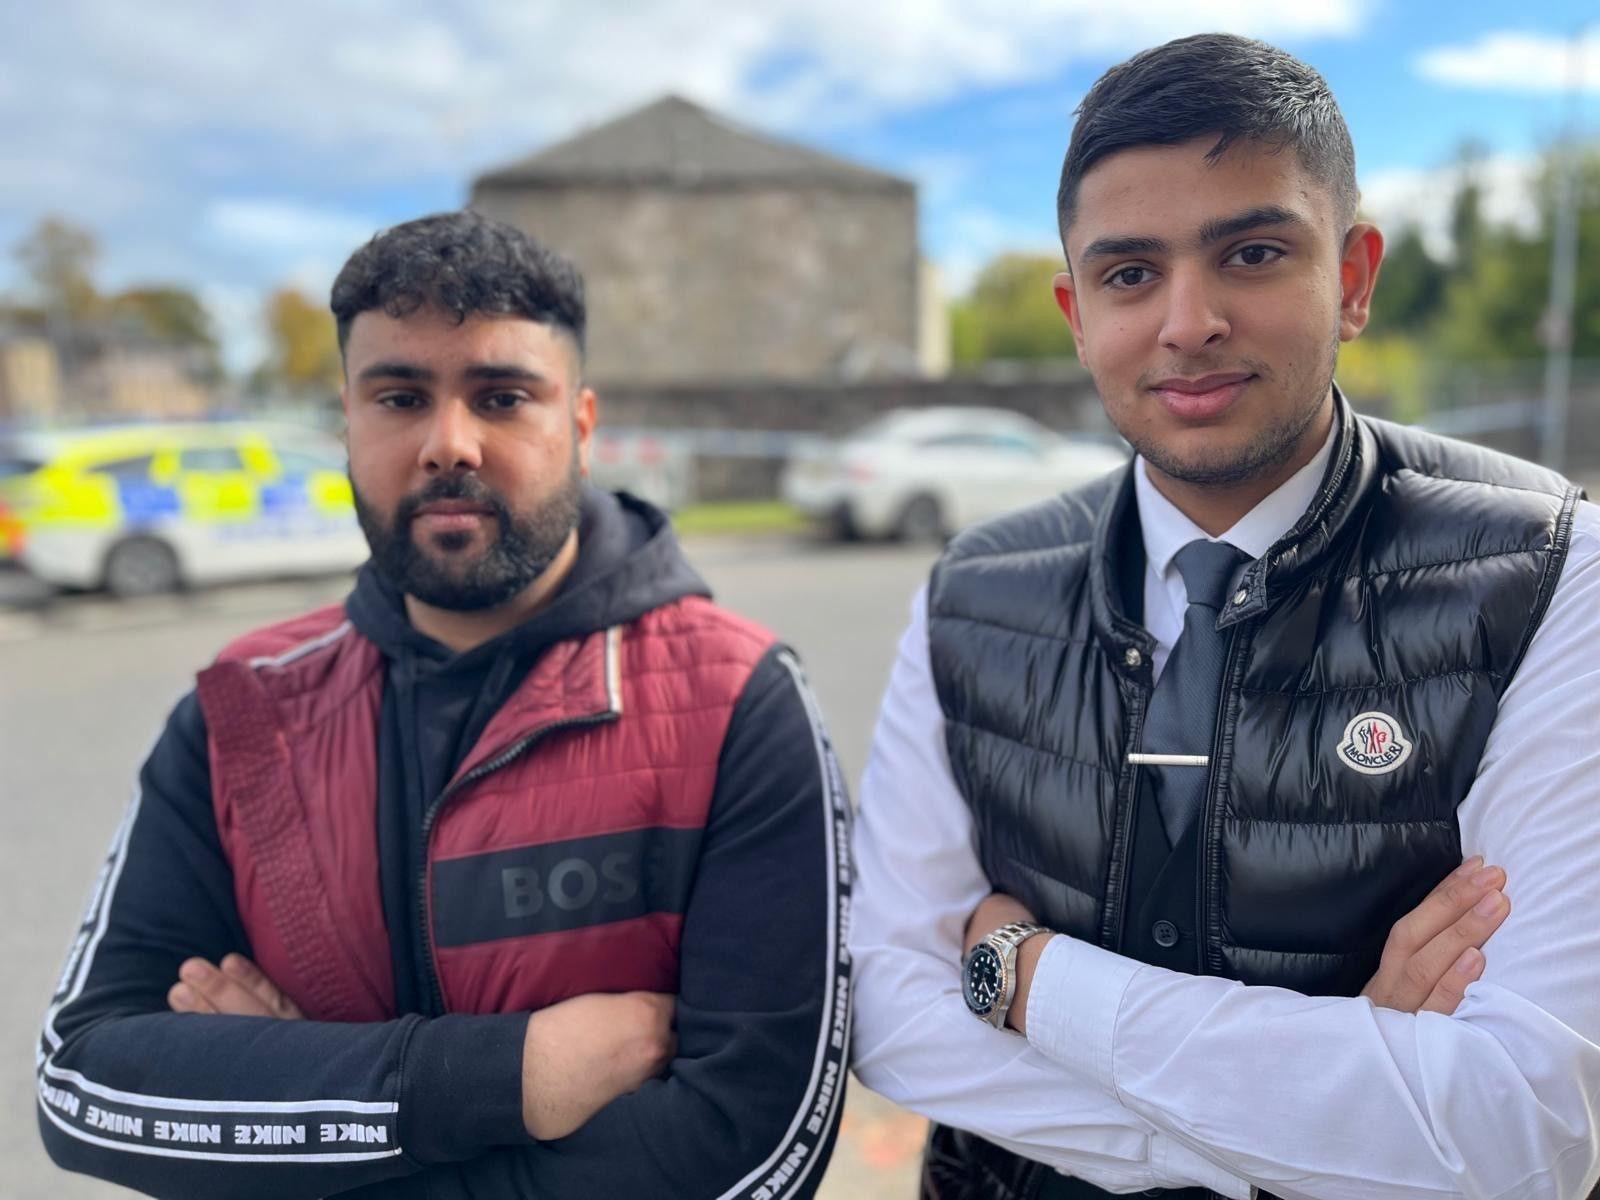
pixel 1370 648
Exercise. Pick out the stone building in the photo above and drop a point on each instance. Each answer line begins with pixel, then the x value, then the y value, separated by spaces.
pixel 715 254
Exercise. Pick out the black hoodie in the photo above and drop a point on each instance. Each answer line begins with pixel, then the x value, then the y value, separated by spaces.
pixel 132 1092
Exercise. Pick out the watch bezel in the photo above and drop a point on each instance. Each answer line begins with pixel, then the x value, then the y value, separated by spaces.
pixel 983 949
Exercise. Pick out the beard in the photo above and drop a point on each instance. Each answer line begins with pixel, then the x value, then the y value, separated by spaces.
pixel 522 551
pixel 1267 448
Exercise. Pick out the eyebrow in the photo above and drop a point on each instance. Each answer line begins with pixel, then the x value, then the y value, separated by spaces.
pixel 416 374
pixel 396 370
pixel 1216 230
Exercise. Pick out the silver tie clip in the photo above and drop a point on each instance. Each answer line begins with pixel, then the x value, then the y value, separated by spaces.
pixel 1170 760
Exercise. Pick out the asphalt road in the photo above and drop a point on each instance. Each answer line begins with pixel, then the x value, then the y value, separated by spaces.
pixel 85 684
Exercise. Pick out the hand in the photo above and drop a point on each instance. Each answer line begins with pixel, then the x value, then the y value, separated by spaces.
pixel 238 989
pixel 580 1055
pixel 993 911
pixel 1436 949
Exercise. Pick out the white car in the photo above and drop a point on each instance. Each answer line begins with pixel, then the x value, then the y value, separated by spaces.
pixel 925 473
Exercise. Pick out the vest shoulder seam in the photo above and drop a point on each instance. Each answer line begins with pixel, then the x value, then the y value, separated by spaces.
pixel 1449 562
pixel 1367 687
pixel 1556 494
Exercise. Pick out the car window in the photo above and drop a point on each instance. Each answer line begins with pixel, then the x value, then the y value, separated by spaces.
pixel 1015 443
pixel 17 465
pixel 135 468
pixel 298 462
pixel 953 441
pixel 210 458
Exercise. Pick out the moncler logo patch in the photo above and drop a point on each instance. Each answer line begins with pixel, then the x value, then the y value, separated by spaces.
pixel 1373 744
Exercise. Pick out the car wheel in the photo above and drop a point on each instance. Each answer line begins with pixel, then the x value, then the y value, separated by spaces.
pixel 921 520
pixel 841 525
pixel 141 566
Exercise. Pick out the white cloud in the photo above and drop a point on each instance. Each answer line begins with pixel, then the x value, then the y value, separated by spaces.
pixel 1422 197
pixel 1510 60
pixel 279 227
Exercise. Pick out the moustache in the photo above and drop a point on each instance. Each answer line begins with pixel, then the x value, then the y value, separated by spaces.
pixel 451 487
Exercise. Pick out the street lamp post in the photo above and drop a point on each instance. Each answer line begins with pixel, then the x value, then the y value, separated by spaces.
pixel 1563 274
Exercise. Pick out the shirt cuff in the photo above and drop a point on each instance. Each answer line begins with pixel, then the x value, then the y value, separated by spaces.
pixel 1073 1005
pixel 461 1087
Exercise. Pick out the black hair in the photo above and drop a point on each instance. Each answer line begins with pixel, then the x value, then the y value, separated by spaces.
pixel 459 263
pixel 1213 83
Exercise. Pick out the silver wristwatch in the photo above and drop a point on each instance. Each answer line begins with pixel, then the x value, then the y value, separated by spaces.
pixel 989 976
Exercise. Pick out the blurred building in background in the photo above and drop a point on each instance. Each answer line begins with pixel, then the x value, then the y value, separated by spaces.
pixel 716 254
pixel 30 379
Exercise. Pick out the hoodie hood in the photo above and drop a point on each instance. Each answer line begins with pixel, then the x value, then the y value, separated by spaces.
pixel 629 562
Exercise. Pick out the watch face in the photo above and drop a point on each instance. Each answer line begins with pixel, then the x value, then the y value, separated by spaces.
pixel 983 981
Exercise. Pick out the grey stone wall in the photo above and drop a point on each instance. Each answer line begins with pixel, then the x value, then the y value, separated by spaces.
pixel 733 282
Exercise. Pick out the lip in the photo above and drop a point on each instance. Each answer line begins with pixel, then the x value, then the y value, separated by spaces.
pixel 452 516
pixel 1202 398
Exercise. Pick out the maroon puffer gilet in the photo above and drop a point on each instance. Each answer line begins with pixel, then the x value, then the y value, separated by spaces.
pixel 560 856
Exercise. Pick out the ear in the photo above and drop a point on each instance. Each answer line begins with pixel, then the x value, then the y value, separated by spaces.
pixel 1358 276
pixel 585 414
pixel 1066 291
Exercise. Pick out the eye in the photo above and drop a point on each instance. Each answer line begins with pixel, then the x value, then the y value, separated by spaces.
pixel 399 400
pixel 502 401
pixel 1125 278
pixel 1254 256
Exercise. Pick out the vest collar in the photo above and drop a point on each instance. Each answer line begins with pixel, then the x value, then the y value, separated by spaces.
pixel 1352 468
pixel 575 682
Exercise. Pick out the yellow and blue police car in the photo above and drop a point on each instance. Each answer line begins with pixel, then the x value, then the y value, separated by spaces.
pixel 141 509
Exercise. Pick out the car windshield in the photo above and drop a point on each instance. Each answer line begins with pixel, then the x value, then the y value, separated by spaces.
pixel 878 428
pixel 16 464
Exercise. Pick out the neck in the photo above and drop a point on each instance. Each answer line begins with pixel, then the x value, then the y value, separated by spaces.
pixel 1217 508
pixel 462 631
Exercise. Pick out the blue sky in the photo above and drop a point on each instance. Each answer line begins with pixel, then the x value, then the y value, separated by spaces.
pixel 235 148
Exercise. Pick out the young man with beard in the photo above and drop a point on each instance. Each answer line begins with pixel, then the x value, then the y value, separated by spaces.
pixel 521 873
pixel 1172 756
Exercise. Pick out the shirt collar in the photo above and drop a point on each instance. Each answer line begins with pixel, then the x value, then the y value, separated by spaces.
pixel 1166 530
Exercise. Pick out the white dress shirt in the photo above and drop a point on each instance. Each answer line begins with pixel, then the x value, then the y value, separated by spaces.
pixel 1134 1076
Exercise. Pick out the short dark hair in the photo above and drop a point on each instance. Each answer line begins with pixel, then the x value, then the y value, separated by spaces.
pixel 459 263
pixel 1213 83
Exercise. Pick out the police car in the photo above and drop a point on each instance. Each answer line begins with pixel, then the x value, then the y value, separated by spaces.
pixel 151 508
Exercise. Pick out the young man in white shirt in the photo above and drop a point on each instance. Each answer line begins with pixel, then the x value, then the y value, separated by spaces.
pixel 1188 968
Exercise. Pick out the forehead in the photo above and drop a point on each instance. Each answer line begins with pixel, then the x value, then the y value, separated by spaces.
pixel 1169 192
pixel 435 340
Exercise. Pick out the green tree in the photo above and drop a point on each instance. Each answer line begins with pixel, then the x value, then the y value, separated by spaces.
pixel 1410 287
pixel 1010 313
pixel 1494 310
pixel 59 258
pixel 305 343
pixel 167 313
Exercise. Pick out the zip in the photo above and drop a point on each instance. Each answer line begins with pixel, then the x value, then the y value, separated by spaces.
pixel 1203 842
pixel 424 877
pixel 1129 804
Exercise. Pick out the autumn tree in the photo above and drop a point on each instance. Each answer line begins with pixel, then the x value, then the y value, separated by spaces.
pixel 58 258
pixel 1011 313
pixel 305 344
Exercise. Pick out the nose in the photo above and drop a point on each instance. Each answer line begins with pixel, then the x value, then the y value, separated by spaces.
pixel 1193 320
pixel 451 443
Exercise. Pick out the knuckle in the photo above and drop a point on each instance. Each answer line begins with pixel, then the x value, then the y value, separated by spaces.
pixel 1416 974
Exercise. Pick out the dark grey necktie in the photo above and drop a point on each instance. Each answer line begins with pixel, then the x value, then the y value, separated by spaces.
pixel 1183 709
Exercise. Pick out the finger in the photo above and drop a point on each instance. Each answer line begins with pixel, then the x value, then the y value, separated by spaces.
pixel 183 998
pixel 1455 894
pixel 226 994
pixel 1432 964
pixel 1452 988
pixel 254 980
